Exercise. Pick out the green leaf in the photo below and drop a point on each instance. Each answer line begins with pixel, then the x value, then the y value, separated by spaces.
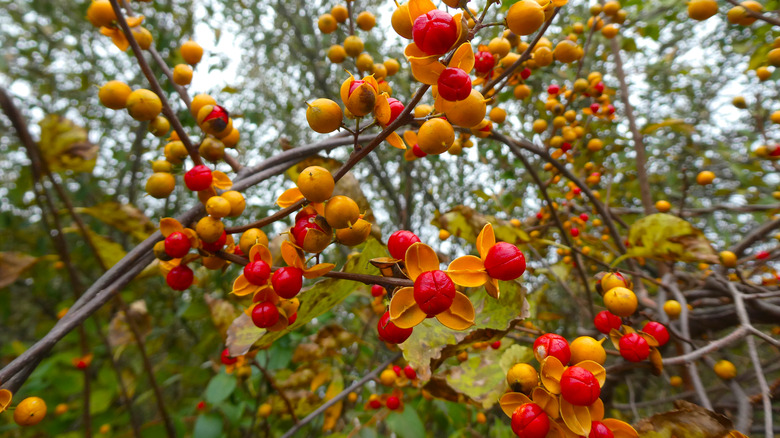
pixel 481 378
pixel 677 125
pixel 315 301
pixel 12 265
pixel 220 387
pixel 667 237
pixel 65 146
pixel 124 217
pixel 100 401
pixel 406 424
pixel 109 251
pixel 207 426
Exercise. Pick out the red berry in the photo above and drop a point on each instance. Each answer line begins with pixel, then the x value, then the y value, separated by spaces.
pixel 574 232
pixel 396 108
pixel 495 345
pixel 81 365
pixel 584 217
pixel 257 273
pixel 305 214
pixel 177 244
pixel 577 191
pixel 610 109
pixel 226 359
pixel 579 386
pixel 201 405
pixel 393 403
pixel 218 113
pixel 606 321
pixel 594 108
pixel 525 73
pixel 180 277
pixel 484 62
pixel 434 292
pixel 633 347
pixel 540 215
pixel 198 178
pixel 600 430
pixel 599 87
pixel 287 282
pixel 215 246
pixel 375 404
pixel 397 370
pixel 399 242
pixel 390 332
pixel 454 84
pixel 658 331
pixel 377 290
pixel 435 32
pixel 505 261
pixel 761 255
pixel 554 345
pixel 775 152
pixel 553 89
pixel 265 315
pixel 410 373
pixel 292 318
pixel 419 153
pixel 530 421
pixel 566 147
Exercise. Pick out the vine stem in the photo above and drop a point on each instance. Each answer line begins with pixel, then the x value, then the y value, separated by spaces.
pixel 371 375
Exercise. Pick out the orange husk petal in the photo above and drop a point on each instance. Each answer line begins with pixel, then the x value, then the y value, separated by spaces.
pixel 290 306
pixel 242 287
pixel 371 80
pixel 547 401
pixel 266 293
pixel 382 109
pixel 319 207
pixel 651 341
pixel 193 236
pixel 491 287
pixel 420 258
pixel 551 372
pixel 656 361
pixel 396 141
pixel 117 37
pixel 594 367
pixel 597 410
pixel 485 240
pixel 344 90
pixel 410 137
pixel 413 52
pixel 419 7
pixel 166 266
pixel 135 21
pixel 404 311
pixel 460 315
pixel 426 72
pixel 263 252
pixel 576 418
pixel 281 324
pixel 468 271
pixel 318 270
pixel 614 336
pixel 5 399
pixel 440 104
pixel 557 430
pixel 462 31
pixel 169 225
pixel 289 197
pixel 292 255
pixel 220 180
pixel 620 429
pixel 409 155
pixel 463 58
pixel 511 401
pixel 559 3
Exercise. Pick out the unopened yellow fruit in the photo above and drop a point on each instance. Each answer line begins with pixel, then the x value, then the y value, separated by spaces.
pixel 30 411
pixel 336 54
pixel 250 238
pixel 264 410
pixel 675 381
pixel 365 63
pixel 497 115
pixel 327 23
pixel 355 234
pixel 100 13
pixel 192 52
pixel 143 37
pixel 237 202
pixel 728 259
pixel 774 57
pixel 423 110
pixel 211 149
pixel 663 206
pixel 143 105
pixel 539 126
pixel 161 166
pixel 525 17
pixel 739 14
pixel 402 23
pixel 612 280
pixel 160 185
pixel 340 13
pixel 341 211
pixel 468 112
pixel 705 177
pixel 231 139
pixel 316 183
pixel 609 31
pixel 435 136
pixel 387 377
pixel 324 115
pixel 611 7
pixel 702 9
pixel 763 73
pixel 353 45
pixel 522 91
pixel 199 101
pixel 595 145
pixel 620 301
pixel 114 94
pixel 587 348
pixel 175 152
pixel 209 229
pixel 567 51
pixel 500 46
pixel 522 377
pixel 366 20
pixel 182 74
pixel 725 369
pixel 481 418
pixel 444 234
pixel 160 126
pixel 672 309
pixel 218 207
pixel 352 397
pixel 392 66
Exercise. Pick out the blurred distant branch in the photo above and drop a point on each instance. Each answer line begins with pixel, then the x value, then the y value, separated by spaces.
pixel 688 212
